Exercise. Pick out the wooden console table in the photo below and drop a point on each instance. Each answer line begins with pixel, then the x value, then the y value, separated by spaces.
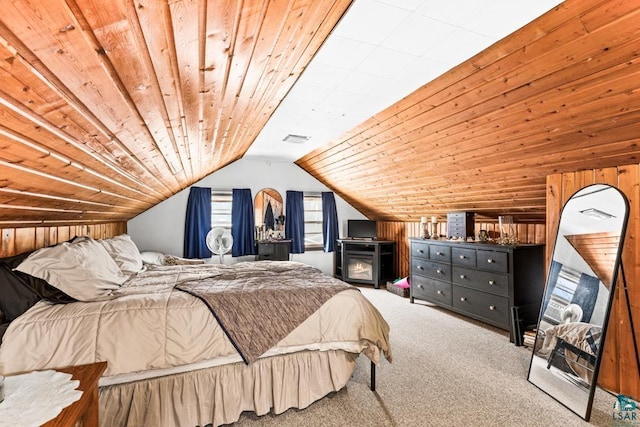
pixel 86 408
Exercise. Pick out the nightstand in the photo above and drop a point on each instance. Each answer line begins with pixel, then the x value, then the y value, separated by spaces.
pixel 87 407
pixel 273 250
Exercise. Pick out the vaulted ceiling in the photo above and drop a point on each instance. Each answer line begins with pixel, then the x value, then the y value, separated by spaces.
pixel 561 94
pixel 108 107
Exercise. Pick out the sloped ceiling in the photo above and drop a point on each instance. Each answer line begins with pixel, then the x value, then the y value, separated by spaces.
pixel 561 94
pixel 108 107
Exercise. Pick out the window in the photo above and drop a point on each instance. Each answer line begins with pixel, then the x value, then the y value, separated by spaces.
pixel 221 208
pixel 312 221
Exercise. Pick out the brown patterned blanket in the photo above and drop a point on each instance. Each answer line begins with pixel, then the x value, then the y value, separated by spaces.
pixel 259 303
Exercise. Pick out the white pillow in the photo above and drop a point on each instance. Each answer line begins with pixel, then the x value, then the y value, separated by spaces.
pixel 151 257
pixel 82 269
pixel 124 252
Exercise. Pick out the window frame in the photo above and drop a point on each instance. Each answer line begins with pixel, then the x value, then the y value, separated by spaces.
pixel 317 198
pixel 226 196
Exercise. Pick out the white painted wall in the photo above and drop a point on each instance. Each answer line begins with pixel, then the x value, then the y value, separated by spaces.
pixel 161 228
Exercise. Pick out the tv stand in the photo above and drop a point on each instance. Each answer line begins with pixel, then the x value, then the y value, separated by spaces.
pixel 366 261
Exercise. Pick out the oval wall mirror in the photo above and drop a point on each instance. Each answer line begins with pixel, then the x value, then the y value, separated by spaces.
pixel 269 210
pixel 577 300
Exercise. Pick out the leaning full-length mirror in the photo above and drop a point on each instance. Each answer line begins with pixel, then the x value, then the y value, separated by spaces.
pixel 577 298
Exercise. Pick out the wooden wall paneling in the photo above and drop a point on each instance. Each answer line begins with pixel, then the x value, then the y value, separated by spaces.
pixel 42 237
pixel 24 239
pixel 618 371
pixel 397 232
pixel 626 367
pixel 609 375
pixel 8 242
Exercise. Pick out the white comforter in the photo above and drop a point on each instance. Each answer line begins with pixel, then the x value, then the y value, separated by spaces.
pixel 151 327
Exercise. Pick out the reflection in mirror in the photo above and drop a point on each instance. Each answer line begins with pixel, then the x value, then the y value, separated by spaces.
pixel 577 298
pixel 269 214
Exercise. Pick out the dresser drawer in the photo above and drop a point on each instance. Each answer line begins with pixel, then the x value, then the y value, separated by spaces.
pixel 266 248
pixel 431 290
pixel 420 250
pixel 493 260
pixel 486 281
pixel 273 251
pixel 455 219
pixel 491 308
pixel 457 231
pixel 440 253
pixel 460 216
pixel 463 256
pixel 431 269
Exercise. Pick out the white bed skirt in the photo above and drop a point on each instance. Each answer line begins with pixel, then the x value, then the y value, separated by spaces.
pixel 220 394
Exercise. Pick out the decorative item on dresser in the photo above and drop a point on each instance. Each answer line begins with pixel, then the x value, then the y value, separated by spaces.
pixel 480 280
pixel 425 229
pixel 273 250
pixel 460 225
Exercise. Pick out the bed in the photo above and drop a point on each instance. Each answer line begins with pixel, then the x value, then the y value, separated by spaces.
pixel 573 345
pixel 174 356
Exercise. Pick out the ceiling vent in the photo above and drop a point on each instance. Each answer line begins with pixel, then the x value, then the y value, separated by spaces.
pixel 596 213
pixel 296 139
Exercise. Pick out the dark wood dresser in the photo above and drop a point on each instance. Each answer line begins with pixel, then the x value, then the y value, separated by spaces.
pixel 481 280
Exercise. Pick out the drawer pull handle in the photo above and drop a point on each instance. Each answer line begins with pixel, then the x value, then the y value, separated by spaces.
pixel 463 298
pixel 420 251
pixel 462 276
pixel 438 271
pixel 462 257
pixel 491 282
pixel 492 307
pixel 490 261
pixel 420 267
pixel 439 292
pixel 420 286
pixel 439 253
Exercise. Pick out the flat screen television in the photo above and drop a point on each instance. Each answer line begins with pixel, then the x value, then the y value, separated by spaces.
pixel 361 229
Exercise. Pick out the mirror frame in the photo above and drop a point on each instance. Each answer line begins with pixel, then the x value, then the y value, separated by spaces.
pixel 556 393
pixel 258 204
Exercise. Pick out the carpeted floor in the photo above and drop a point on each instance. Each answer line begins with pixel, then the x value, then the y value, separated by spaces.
pixel 447 370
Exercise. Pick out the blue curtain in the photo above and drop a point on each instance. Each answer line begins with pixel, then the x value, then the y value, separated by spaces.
pixel 586 295
pixel 242 223
pixel 294 225
pixel 197 224
pixel 554 272
pixel 329 221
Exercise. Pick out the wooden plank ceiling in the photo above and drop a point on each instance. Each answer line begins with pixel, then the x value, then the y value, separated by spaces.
pixel 108 107
pixel 562 94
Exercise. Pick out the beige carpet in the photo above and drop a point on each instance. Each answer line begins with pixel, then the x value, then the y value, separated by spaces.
pixel 448 370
